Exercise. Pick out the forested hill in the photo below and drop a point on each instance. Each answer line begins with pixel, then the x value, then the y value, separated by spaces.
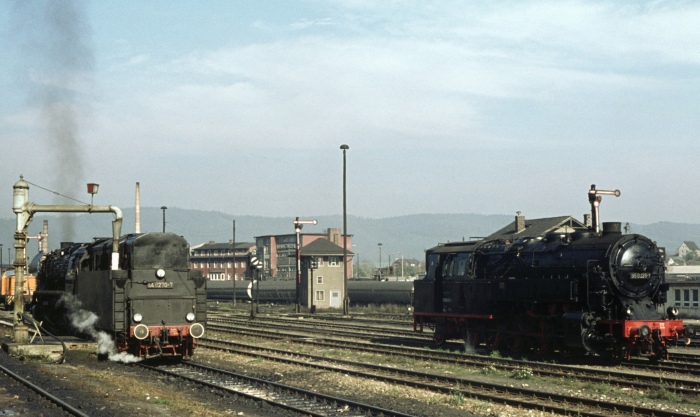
pixel 406 236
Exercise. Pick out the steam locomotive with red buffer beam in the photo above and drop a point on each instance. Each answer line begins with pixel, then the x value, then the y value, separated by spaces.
pixel 579 291
pixel 152 304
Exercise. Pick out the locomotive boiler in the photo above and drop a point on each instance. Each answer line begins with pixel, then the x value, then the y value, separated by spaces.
pixel 151 305
pixel 578 290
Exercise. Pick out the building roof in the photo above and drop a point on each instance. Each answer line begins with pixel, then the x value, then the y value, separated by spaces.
pixel 535 228
pixel 691 245
pixel 320 247
pixel 223 246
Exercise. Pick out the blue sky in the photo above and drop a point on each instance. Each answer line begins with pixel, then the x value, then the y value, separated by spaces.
pixel 447 106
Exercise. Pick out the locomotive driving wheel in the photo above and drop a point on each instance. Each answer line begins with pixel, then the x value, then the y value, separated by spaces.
pixel 539 341
pixel 492 336
pixel 515 335
pixel 472 338
pixel 439 337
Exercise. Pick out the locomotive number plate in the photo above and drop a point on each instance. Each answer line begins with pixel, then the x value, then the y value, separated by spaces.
pixel 159 284
pixel 640 275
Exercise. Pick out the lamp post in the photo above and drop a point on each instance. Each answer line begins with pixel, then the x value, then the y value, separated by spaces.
pixel 234 265
pixel 380 260
pixel 0 259
pixel 390 266
pixel 163 208
pixel 345 236
pixel 298 224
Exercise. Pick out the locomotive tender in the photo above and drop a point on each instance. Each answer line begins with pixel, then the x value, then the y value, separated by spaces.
pixel 152 304
pixel 578 291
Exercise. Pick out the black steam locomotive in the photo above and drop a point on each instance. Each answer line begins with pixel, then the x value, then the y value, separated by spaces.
pixel 575 291
pixel 148 299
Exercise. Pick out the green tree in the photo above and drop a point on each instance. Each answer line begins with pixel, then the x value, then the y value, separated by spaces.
pixel 692 258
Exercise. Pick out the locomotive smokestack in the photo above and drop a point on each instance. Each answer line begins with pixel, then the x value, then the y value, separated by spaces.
pixel 610 228
pixel 137 210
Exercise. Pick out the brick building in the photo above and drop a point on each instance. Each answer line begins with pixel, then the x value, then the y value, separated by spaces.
pixel 278 252
pixel 218 263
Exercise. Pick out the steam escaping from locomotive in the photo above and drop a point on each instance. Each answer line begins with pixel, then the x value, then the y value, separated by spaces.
pixel 152 305
pixel 84 322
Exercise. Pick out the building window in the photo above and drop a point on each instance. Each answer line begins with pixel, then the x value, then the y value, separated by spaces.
pixel 695 298
pixel 686 298
pixel 677 296
pixel 333 260
pixel 319 280
pixel 319 295
pixel 228 265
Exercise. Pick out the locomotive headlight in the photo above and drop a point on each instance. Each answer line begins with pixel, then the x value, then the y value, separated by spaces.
pixel 672 312
pixel 190 317
pixel 197 330
pixel 141 331
pixel 137 318
pixel 630 312
pixel 160 273
pixel 644 332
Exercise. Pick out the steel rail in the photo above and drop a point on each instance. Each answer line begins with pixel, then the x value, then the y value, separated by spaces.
pixel 483 390
pixel 285 396
pixel 681 386
pixel 42 392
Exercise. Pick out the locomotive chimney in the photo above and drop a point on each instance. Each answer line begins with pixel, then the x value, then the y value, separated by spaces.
pixel 519 223
pixel 610 228
pixel 137 210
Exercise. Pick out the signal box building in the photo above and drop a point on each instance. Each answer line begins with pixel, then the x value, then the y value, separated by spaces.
pixel 322 274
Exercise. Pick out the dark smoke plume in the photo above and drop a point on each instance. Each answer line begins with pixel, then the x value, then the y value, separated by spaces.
pixel 55 39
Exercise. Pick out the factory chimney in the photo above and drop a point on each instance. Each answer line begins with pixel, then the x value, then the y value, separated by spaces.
pixel 45 238
pixel 519 222
pixel 137 210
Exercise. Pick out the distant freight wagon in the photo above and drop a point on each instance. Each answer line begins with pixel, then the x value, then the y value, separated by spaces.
pixel 359 291
pixel 7 288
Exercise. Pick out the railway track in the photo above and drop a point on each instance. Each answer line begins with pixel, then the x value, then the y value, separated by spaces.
pixel 594 375
pixel 517 396
pixel 304 402
pixel 36 394
pixel 350 330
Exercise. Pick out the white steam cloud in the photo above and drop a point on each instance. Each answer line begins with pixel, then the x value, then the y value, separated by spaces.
pixel 84 322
